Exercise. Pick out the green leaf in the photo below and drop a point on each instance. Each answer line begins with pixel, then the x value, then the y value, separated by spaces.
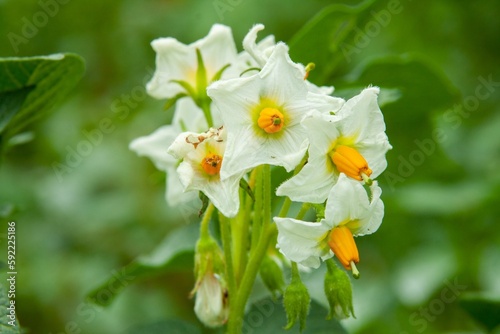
pixel 176 252
pixel 31 86
pixel 10 104
pixel 268 316
pixel 321 40
pixel 171 326
pixel 5 320
pixel 483 308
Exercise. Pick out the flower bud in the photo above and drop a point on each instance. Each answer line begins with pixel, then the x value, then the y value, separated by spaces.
pixel 296 300
pixel 211 306
pixel 272 275
pixel 338 291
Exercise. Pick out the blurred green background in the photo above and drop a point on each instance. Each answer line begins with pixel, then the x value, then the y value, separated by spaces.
pixel 441 188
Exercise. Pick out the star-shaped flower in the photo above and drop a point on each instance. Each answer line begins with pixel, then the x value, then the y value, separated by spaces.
pixel 262 114
pixel 353 142
pixel 176 62
pixel 201 165
pixel 349 212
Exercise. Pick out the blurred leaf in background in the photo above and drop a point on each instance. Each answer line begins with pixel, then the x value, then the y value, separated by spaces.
pixel 441 193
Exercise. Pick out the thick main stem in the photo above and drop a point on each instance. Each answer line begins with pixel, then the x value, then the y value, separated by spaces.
pixel 237 310
pixel 262 233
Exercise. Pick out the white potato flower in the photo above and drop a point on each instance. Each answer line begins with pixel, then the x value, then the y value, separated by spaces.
pixel 262 114
pixel 353 141
pixel 349 212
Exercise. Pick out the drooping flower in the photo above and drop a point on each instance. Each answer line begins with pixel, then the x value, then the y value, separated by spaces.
pixel 349 212
pixel 202 159
pixel 211 305
pixel 155 145
pixel 262 114
pixel 210 290
pixel 353 142
pixel 177 62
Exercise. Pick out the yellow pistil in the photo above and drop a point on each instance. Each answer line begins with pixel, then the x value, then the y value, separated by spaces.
pixel 211 164
pixel 351 163
pixel 342 244
pixel 271 120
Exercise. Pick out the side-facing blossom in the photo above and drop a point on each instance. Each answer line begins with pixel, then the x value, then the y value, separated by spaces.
pixel 349 212
pixel 353 141
pixel 155 145
pixel 260 53
pixel 176 61
pixel 262 115
pixel 202 158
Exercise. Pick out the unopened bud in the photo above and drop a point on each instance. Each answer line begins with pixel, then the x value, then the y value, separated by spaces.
pixel 338 291
pixel 296 300
pixel 211 305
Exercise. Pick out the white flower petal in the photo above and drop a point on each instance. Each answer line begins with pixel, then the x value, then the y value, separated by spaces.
pixel 155 145
pixel 181 147
pixel 250 45
pixel 312 184
pixel 347 201
pixel 302 241
pixel 376 213
pixel 175 194
pixel 174 61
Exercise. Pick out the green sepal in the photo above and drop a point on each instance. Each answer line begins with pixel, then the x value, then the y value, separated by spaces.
pixel 320 211
pixel 245 186
pixel 296 300
pixel 338 292
pixel 187 87
pixel 219 73
pixel 201 75
pixel 204 203
pixel 173 100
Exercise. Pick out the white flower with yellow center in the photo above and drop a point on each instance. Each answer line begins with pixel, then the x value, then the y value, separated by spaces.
pixel 262 115
pixel 349 212
pixel 155 145
pixel 352 142
pixel 202 158
pixel 177 62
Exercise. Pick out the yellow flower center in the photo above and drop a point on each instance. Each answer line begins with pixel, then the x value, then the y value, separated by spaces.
pixel 342 244
pixel 211 164
pixel 271 120
pixel 351 163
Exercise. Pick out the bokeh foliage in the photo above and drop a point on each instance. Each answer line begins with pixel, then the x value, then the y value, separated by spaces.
pixel 441 189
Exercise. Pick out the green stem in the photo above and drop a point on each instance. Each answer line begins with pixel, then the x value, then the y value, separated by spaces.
pixel 285 207
pixel 295 272
pixel 226 243
pixel 237 310
pixel 303 210
pixel 204 233
pixel 263 231
pixel 257 212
